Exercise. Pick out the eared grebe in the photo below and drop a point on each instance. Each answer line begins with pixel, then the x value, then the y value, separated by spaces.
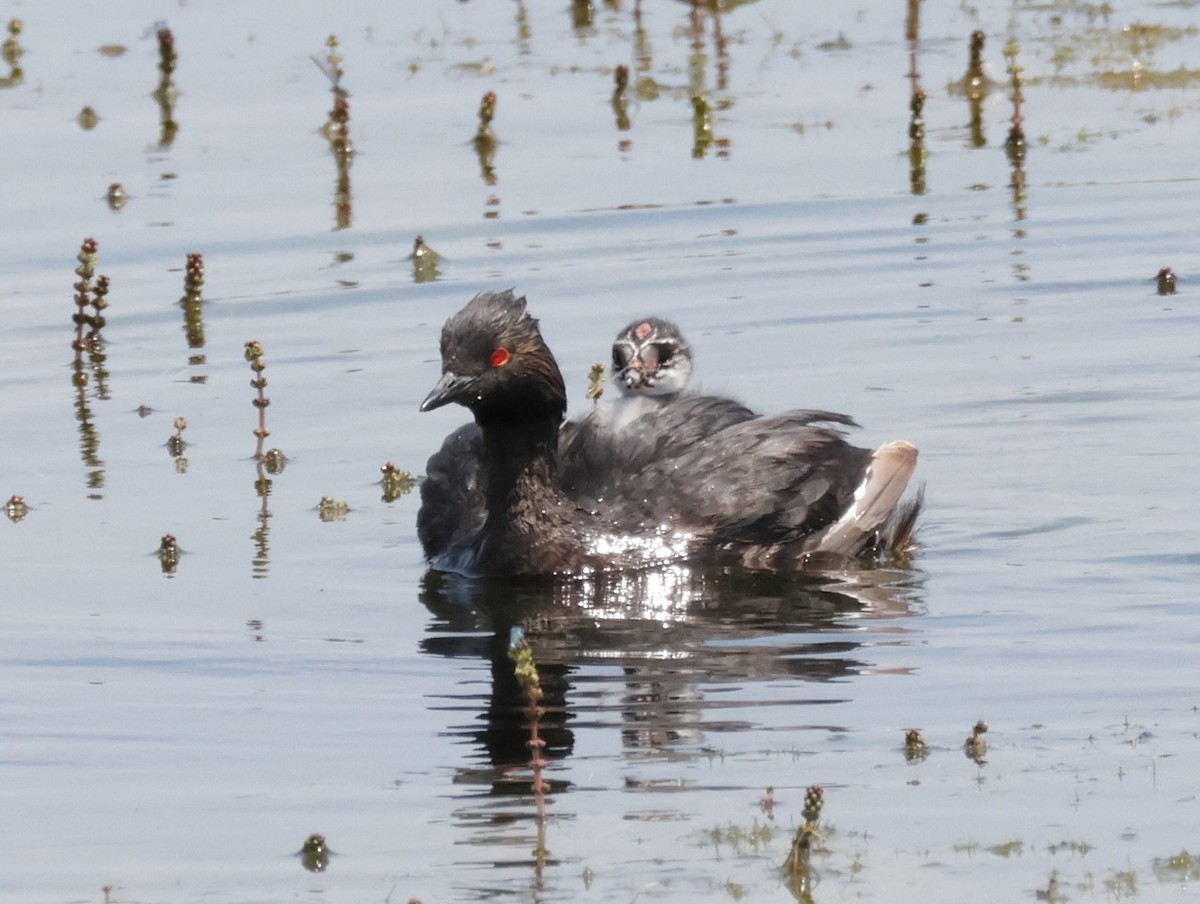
pixel 651 365
pixel 772 492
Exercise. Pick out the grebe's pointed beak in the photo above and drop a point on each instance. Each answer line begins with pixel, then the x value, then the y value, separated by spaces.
pixel 451 387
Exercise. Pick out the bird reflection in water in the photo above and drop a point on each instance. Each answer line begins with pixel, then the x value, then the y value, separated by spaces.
pixel 667 635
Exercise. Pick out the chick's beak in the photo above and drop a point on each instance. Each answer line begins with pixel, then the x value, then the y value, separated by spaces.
pixel 451 387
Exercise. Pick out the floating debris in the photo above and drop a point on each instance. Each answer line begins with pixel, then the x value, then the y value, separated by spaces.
pixel 767 803
pixel 87 119
pixel 117 197
pixel 314 853
pixel 596 380
pixel 16 509
pixel 396 482
pixel 915 748
pixel 1051 892
pixel 485 138
pixel 975 747
pixel 1166 281
pixel 330 509
pixel 424 260
pixel 168 554
pixel 275 461
pixel 176 445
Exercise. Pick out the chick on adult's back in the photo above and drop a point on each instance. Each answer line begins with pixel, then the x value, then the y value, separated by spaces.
pixel 768 491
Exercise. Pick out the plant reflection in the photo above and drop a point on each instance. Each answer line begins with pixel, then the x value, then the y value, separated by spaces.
pixel 670 633
pixel 702 109
pixel 485 138
pixel 917 155
pixel 424 260
pixel 337 132
pixel 166 93
pixel 1014 145
pixel 975 85
pixel 12 52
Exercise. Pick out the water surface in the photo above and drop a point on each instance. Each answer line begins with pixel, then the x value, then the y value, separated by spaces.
pixel 177 737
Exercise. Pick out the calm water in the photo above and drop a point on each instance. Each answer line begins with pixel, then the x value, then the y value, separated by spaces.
pixel 177 737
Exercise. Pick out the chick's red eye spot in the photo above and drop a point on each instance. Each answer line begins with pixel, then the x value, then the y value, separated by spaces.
pixel 500 357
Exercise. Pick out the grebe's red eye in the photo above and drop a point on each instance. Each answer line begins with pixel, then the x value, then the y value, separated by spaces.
pixel 500 357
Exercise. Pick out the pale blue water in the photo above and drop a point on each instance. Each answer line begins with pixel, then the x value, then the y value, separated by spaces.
pixel 179 737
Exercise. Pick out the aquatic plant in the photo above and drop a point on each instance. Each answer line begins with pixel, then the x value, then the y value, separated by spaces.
pixel 396 482
pixel 912 22
pixel 192 303
pixel 702 126
pixel 1182 867
pixel 314 853
pixel 330 509
pixel 620 97
pixel 254 354
pixel 1014 144
pixel 526 671
pixel 90 299
pixel 767 803
pixel 485 138
pixel 116 196
pixel 424 260
pixel 917 155
pixel 167 59
pixel 596 380
pixel 975 747
pixel 176 445
pixel 89 294
pixel 16 509
pixel 87 118
pixel 272 461
pixel 915 748
pixel 975 83
pixel 168 554
pixel 1051 892
pixel 798 866
pixel 337 131
pixel 753 839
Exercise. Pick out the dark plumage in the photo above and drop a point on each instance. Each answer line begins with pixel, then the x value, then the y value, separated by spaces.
pixel 771 492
